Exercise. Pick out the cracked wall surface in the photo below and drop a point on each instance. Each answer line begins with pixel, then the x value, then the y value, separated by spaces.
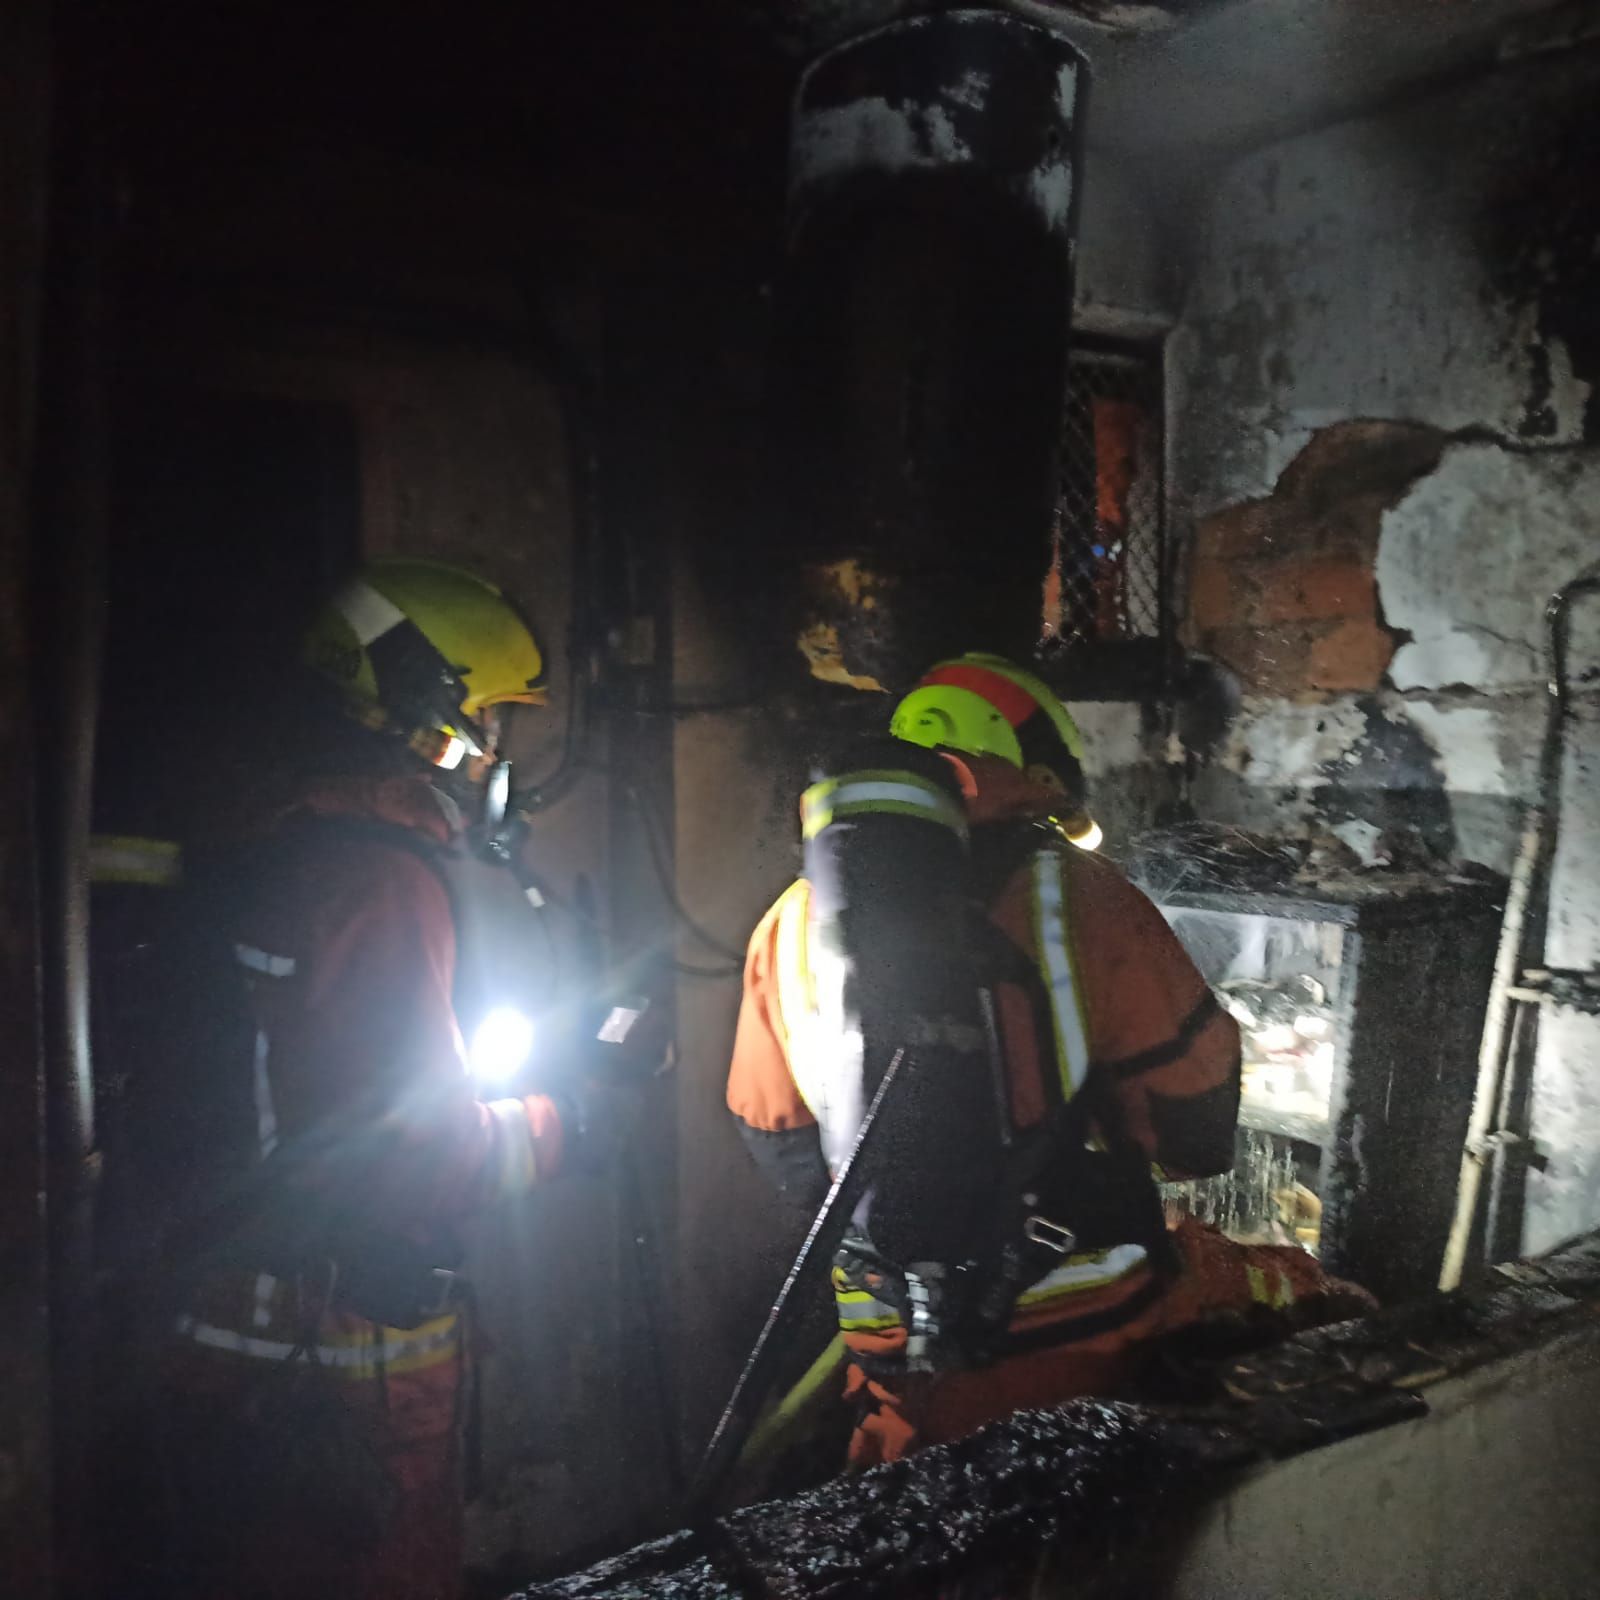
pixel 1388 456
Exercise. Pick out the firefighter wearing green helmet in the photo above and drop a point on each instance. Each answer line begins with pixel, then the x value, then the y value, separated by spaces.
pixel 1109 1061
pixel 984 705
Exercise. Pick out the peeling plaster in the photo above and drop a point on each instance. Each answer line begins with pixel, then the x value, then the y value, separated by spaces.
pixel 1279 744
pixel 1113 735
pixel 1067 90
pixel 1050 188
pixel 1468 559
pixel 971 91
pixel 1472 742
pixel 874 133
pixel 950 123
pixel 871 132
pixel 1304 762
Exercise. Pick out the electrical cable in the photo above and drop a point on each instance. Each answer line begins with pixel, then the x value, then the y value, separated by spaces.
pixel 655 846
pixel 535 797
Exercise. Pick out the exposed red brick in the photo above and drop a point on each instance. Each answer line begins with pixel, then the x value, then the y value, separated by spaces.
pixel 1308 591
pixel 1281 590
pixel 1238 533
pixel 1212 587
pixel 1353 656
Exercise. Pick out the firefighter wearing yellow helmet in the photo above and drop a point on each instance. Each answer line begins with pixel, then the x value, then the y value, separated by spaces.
pixel 421 650
pixel 349 1113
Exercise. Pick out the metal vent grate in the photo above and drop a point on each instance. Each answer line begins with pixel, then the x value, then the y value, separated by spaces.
pixel 1106 578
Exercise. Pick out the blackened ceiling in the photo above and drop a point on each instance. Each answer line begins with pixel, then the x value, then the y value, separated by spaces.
pixel 616 132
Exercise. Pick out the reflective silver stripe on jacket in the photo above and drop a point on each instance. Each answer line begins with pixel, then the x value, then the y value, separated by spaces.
pixel 263 963
pixel 861 1311
pixel 513 1168
pixel 1053 938
pixel 897 793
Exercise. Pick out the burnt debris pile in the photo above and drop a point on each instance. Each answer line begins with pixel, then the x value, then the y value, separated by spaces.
pixel 1088 1480
pixel 1083 1477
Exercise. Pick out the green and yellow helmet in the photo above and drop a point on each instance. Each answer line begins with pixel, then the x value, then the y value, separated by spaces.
pixel 984 705
pixel 420 648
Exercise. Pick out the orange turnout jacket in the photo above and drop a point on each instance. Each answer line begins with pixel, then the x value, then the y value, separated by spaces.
pixel 1130 1023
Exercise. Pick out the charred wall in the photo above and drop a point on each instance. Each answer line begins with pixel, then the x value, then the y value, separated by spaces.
pixel 1388 457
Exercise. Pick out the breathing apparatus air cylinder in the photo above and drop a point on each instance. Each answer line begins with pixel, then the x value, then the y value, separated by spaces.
pixel 886 859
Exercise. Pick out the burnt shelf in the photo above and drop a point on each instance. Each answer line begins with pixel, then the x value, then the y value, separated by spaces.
pixel 1286 1124
pixel 1365 901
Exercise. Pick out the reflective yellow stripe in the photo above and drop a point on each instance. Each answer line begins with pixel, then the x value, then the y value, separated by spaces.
pixel 859 1309
pixel 882 791
pixel 823 1049
pixel 124 858
pixel 1278 1294
pixel 1053 939
pixel 355 1355
pixel 1081 1272
pixel 797 994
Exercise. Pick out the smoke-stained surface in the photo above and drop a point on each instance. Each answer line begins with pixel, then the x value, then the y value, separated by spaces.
pixel 1426 273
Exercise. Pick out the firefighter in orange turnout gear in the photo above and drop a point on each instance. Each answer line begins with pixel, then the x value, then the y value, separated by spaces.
pixel 316 1365
pixel 1101 1014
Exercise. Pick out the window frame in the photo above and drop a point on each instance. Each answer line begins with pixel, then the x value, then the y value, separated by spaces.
pixel 1134 667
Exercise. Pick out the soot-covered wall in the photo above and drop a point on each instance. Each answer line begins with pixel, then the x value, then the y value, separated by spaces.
pixel 1388 390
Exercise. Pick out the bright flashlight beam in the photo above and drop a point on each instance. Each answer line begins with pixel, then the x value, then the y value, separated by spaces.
pixel 502 1043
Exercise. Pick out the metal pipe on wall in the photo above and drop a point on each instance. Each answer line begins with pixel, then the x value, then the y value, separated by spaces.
pixel 25 1379
pixel 1488 1228
pixel 69 565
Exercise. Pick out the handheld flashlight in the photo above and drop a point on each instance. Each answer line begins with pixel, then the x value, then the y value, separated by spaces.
pixel 501 1044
